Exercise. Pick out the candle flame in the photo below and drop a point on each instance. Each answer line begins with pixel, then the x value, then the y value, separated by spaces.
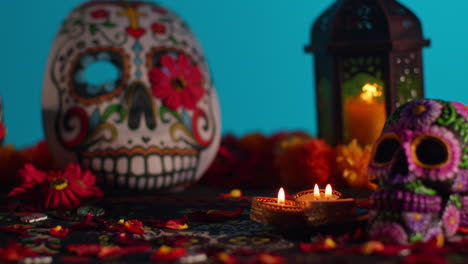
pixel 328 192
pixel 281 196
pixel 370 91
pixel 316 192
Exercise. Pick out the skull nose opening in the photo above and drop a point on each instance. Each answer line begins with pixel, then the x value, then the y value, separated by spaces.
pixel 401 164
pixel 140 103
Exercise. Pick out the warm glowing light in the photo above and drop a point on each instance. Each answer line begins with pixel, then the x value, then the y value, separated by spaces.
pixel 328 192
pixel 370 91
pixel 316 192
pixel 281 196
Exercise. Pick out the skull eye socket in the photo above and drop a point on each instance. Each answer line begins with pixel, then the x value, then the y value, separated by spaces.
pixel 430 151
pixel 385 149
pixel 98 75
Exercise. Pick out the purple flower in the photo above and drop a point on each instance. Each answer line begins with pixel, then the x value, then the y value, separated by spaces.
pixel 451 219
pixel 421 113
pixel 432 233
pixel 440 172
pixel 388 232
pixel 416 222
pixel 461 109
pixel 461 182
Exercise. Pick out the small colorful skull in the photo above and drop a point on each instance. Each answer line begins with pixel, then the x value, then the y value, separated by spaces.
pixel 421 165
pixel 155 122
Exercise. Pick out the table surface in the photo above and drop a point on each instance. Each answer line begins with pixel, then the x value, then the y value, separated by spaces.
pixel 231 235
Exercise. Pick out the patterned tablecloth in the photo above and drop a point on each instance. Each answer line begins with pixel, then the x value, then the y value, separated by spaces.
pixel 239 236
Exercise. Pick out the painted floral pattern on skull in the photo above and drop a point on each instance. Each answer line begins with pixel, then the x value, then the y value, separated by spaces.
pixel 420 162
pixel 154 122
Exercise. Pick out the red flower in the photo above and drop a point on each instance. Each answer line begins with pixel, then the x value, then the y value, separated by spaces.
pixel 130 226
pixel 84 249
pixel 304 162
pixel 214 215
pixel 100 13
pixel 165 253
pixel 175 224
pixel 177 82
pixel 324 244
pixel 159 28
pixel 59 231
pixel 129 240
pixel 56 189
pixel 15 252
pixel 115 251
pixel 2 131
pixel 267 258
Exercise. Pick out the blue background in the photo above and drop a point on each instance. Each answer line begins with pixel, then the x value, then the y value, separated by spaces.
pixel 254 48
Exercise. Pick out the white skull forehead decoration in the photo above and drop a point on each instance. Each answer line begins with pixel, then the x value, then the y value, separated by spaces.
pixel 156 123
pixel 421 164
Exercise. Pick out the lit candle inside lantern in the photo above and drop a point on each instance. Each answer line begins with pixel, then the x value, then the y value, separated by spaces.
pixel 281 196
pixel 364 115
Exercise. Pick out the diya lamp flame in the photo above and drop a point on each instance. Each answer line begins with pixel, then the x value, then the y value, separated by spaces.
pixel 281 196
pixel 328 192
pixel 316 192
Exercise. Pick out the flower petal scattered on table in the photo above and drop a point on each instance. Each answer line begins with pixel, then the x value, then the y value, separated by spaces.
pixel 175 224
pixel 84 249
pixel 59 231
pixel 15 252
pixel 226 258
pixel 324 244
pixel 116 251
pixel 268 258
pixel 166 253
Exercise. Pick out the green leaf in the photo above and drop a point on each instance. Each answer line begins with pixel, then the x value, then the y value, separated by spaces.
pixel 455 199
pixel 416 238
pixel 108 24
pixel 93 29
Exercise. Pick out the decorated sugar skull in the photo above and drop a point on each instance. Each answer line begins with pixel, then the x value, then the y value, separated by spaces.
pixel 421 164
pixel 128 94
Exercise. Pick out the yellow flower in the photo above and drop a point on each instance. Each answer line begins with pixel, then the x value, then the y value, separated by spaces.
pixel 352 161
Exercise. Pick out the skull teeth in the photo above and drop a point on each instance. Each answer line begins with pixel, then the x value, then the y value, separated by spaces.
pixel 144 172
pixel 400 200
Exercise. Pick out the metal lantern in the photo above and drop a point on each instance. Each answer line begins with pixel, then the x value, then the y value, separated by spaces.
pixel 368 61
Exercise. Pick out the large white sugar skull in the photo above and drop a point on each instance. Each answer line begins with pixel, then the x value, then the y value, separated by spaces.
pixel 421 164
pixel 155 122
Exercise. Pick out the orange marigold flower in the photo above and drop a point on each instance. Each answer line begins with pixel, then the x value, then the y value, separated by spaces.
pixel 351 164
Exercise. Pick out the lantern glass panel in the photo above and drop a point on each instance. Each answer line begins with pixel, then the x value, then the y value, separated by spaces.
pixel 363 98
pixel 408 77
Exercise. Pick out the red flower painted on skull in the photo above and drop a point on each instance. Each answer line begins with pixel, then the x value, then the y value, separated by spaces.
pixel 159 28
pixel 99 13
pixel 177 82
